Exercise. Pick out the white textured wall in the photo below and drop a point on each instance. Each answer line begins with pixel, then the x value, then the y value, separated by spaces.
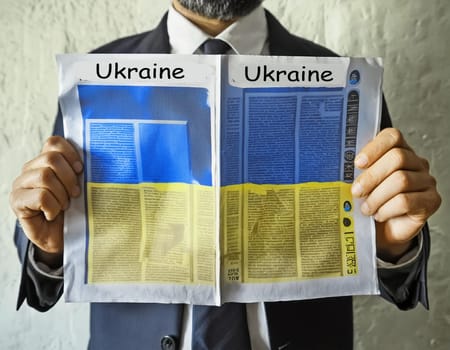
pixel 412 36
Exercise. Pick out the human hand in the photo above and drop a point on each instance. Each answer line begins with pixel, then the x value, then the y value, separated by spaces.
pixel 42 192
pixel 398 191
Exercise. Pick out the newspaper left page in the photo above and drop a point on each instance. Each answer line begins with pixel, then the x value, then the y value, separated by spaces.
pixel 146 226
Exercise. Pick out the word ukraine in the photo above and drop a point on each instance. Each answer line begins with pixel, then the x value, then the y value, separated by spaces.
pixel 116 71
pixel 266 74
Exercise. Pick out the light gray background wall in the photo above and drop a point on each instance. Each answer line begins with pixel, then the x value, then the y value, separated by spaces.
pixel 411 35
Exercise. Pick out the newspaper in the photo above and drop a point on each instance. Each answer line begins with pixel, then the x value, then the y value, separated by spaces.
pixel 210 179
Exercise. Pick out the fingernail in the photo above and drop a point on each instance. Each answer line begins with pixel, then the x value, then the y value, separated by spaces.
pixel 361 160
pixel 357 189
pixel 77 166
pixel 365 209
pixel 76 191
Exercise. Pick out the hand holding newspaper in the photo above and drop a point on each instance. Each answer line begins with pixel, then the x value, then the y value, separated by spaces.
pixel 211 179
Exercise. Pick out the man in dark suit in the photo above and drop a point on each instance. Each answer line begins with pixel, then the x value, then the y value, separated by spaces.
pixel 395 182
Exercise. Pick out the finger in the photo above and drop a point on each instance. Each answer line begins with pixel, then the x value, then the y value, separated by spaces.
pixel 61 168
pixel 418 206
pixel 28 203
pixel 48 236
pixel 394 160
pixel 52 241
pixel 61 145
pixel 398 182
pixel 387 139
pixel 44 178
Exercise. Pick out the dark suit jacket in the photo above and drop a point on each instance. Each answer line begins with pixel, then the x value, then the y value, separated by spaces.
pixel 310 324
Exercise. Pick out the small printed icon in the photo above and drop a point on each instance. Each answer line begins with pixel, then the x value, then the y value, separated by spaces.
pixel 349 156
pixel 354 77
pixel 348 176
pixel 349 166
pixel 347 222
pixel 351 131
pixel 347 206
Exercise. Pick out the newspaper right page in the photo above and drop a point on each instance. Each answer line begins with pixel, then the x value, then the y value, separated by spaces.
pixel 290 130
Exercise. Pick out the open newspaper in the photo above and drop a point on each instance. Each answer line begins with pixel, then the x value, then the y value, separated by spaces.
pixel 210 179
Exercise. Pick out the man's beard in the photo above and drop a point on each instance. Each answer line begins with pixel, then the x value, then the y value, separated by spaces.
pixel 224 10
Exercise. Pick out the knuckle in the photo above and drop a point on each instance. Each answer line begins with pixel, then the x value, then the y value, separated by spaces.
pixel 43 198
pixel 426 163
pixel 402 179
pixel 398 157
pixel 369 178
pixel 46 175
pixel 25 166
pixel 433 181
pixel 16 182
pixel 29 165
pixel 404 201
pixel 437 202
pixel 52 142
pixel 395 135
pixel 52 158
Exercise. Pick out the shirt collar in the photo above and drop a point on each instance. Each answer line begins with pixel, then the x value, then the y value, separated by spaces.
pixel 247 36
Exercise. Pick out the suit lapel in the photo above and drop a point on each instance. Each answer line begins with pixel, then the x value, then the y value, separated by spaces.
pixel 283 43
pixel 280 42
pixel 157 40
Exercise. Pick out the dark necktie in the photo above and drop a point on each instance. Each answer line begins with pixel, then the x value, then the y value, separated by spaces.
pixel 214 47
pixel 224 327
pixel 220 328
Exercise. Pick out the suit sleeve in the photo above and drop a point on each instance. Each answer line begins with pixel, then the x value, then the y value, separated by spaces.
pixel 39 289
pixel 406 286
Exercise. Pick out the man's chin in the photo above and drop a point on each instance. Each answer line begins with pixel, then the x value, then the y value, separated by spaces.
pixel 224 10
